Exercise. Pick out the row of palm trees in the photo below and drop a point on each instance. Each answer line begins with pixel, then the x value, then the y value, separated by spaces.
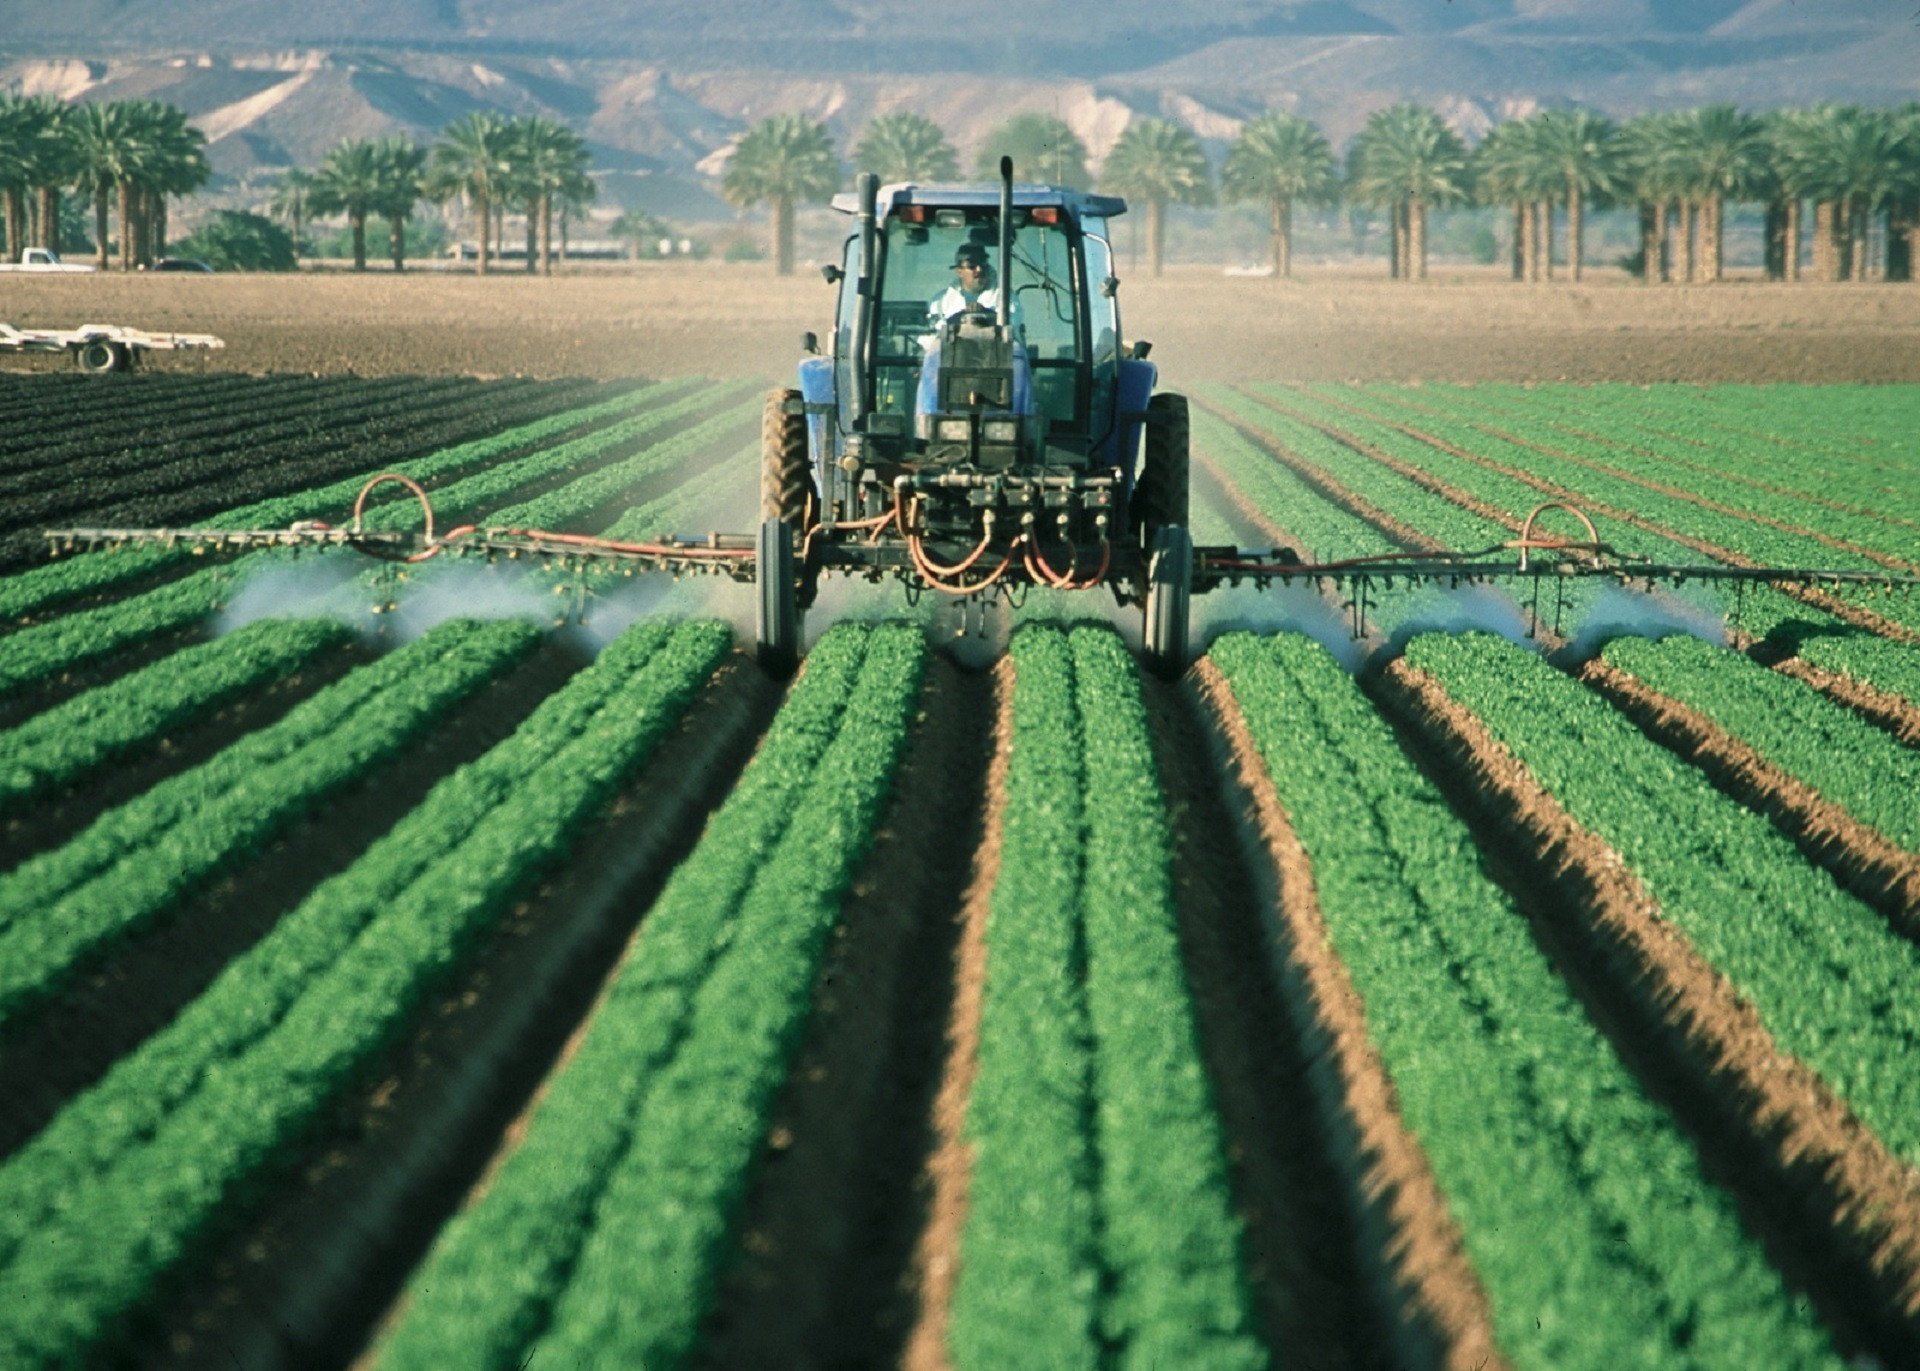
pixel 1854 166
pixel 128 155
pixel 488 160
pixel 1681 169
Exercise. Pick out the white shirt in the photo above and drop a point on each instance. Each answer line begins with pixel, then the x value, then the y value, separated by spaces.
pixel 953 300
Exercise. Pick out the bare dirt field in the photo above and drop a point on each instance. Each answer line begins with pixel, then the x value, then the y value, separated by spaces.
pixel 723 320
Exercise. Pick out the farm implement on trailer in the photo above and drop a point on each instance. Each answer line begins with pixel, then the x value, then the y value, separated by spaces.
pixel 977 429
pixel 100 348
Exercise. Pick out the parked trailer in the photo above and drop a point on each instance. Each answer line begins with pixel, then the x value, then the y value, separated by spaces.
pixel 101 348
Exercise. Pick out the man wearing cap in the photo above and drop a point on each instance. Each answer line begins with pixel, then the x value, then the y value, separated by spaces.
pixel 974 288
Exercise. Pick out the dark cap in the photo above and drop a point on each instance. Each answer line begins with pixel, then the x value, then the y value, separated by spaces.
pixel 970 254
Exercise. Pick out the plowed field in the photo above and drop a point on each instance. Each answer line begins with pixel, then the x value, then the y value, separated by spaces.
pixel 453 966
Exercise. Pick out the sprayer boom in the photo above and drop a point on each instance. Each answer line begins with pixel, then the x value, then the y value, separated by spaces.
pixel 895 545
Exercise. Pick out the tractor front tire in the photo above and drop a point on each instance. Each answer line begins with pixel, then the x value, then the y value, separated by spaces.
pixel 1160 494
pixel 786 474
pixel 776 627
pixel 1169 593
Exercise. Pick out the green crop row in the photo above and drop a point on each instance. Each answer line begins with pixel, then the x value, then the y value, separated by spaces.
pixel 1831 981
pixel 1456 416
pixel 1806 735
pixel 1582 1206
pixel 1694 454
pixel 1434 515
pixel 1756 541
pixel 641 1150
pixel 472 498
pixel 560 507
pixel 1100 1228
pixel 42 587
pixel 55 747
pixel 134 861
pixel 1322 528
pixel 44 650
pixel 1816 636
pixel 130 1179
pixel 1869 426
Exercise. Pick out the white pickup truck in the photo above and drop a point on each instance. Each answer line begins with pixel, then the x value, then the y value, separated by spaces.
pixel 43 259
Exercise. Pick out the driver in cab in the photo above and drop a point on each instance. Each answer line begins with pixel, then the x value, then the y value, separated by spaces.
pixel 974 288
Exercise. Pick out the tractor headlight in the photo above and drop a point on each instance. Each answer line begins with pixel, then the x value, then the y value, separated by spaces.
pixel 1001 431
pixel 952 430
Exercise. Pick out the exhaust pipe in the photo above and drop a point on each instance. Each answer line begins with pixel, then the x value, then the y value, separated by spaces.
pixel 869 190
pixel 1004 311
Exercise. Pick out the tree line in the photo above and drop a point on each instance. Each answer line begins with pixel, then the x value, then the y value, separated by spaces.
pixel 128 156
pixel 1825 174
pixel 1851 166
pixel 490 161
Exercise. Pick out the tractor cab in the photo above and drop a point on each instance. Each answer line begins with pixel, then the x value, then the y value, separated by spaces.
pixel 974 425
pixel 1017 367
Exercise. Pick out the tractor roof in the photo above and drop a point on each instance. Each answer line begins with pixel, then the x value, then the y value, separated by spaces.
pixel 985 195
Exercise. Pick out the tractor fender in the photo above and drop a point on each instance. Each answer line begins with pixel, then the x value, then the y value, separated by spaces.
pixel 1137 380
pixel 816 392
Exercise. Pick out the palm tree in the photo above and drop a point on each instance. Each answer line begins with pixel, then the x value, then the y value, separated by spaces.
pixel 19 135
pixel 1508 169
pixel 1648 170
pixel 1787 182
pixel 549 160
pixel 471 159
pixel 173 162
pixel 1281 159
pixel 399 167
pixel 1160 162
pixel 636 227
pixel 291 197
pixel 1722 154
pixel 1406 159
pixel 1867 170
pixel 782 161
pixel 1577 149
pixel 1903 217
pixel 904 146
pixel 349 182
pixel 50 165
pixel 1042 147
pixel 104 151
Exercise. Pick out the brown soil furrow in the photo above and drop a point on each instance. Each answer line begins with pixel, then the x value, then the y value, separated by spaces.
pixel 1894 713
pixel 1841 609
pixel 1402 533
pixel 1439 1311
pixel 1837 1209
pixel 1301 1244
pixel 1881 872
pixel 936 1255
pixel 304 1279
pixel 825 1272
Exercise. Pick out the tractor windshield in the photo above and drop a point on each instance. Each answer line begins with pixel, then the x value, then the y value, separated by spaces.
pixel 920 286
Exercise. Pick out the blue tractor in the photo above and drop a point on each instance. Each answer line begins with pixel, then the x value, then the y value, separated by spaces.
pixel 975 424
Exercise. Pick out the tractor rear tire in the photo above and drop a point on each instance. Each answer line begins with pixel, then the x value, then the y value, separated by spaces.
pixel 1160 494
pixel 787 490
pixel 1169 594
pixel 776 626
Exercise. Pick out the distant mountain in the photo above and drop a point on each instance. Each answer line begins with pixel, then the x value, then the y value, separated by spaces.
pixel 660 89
